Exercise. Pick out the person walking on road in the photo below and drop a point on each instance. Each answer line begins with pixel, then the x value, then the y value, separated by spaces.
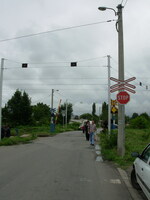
pixel 92 133
pixel 87 130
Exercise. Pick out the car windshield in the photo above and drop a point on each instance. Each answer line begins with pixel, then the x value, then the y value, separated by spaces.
pixel 146 154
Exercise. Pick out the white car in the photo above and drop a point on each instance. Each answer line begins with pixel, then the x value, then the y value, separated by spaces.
pixel 140 175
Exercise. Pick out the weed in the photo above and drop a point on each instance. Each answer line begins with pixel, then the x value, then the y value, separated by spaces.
pixel 135 141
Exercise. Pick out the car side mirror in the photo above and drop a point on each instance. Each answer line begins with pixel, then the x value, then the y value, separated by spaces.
pixel 135 154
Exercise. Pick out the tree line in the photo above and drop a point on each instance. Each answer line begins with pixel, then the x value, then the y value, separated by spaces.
pixel 19 111
pixel 137 121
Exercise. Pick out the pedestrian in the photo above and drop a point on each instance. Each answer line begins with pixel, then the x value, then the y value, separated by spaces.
pixel 6 131
pixel 2 132
pixel 92 132
pixel 87 130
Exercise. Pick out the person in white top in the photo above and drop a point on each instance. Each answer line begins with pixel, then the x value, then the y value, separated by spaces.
pixel 92 132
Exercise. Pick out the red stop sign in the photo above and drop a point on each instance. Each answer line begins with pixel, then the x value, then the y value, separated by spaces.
pixel 123 97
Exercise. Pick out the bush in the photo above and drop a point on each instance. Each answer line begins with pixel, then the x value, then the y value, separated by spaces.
pixel 74 125
pixel 139 122
pixel 146 135
pixel 135 141
pixel 108 141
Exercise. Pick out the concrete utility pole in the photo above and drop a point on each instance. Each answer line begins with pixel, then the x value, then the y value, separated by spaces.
pixel 66 113
pixel 1 88
pixel 121 108
pixel 52 96
pixel 109 97
pixel 52 113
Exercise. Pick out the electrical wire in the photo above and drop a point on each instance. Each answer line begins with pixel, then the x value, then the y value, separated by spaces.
pixel 37 101
pixel 52 62
pixel 55 30
pixel 90 78
pixel 136 81
pixel 10 68
pixel 125 3
pixel 69 84
pixel 121 2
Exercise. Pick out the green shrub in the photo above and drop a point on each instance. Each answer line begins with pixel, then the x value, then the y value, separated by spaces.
pixel 139 122
pixel 108 141
pixel 146 135
pixel 135 141
pixel 74 125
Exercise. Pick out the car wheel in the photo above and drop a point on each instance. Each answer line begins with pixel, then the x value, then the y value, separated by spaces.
pixel 134 180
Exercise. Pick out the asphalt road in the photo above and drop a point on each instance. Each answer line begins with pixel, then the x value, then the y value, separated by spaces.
pixel 63 167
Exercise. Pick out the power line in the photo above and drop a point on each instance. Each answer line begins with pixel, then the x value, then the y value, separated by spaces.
pixel 125 3
pixel 95 78
pixel 55 30
pixel 55 67
pixel 121 1
pixel 37 101
pixel 54 62
pixel 69 84
pixel 136 81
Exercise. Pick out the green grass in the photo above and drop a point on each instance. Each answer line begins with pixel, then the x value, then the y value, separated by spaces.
pixel 34 132
pixel 135 141
pixel 16 140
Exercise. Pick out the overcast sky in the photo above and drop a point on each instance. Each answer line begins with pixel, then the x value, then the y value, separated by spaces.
pixel 49 54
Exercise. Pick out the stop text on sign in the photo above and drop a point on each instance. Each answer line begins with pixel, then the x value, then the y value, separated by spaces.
pixel 123 97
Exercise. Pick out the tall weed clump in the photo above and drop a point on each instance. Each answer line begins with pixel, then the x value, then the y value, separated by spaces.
pixel 108 141
pixel 140 122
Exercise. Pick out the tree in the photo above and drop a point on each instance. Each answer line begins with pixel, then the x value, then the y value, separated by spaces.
pixel 104 115
pixel 145 115
pixel 69 113
pixel 139 122
pixel 18 110
pixel 87 116
pixel 127 119
pixel 41 113
pixel 134 115
pixel 93 109
pixel 26 109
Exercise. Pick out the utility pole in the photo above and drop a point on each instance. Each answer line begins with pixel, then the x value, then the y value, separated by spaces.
pixel 121 107
pixel 1 88
pixel 109 98
pixel 52 96
pixel 66 113
pixel 52 113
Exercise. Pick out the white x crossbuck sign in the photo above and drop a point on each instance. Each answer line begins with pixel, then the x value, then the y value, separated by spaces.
pixel 122 85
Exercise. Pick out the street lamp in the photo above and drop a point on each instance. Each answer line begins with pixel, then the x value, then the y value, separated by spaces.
pixel 121 108
pixel 105 8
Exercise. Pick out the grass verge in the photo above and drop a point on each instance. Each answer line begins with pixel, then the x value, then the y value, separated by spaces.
pixel 135 141
pixel 33 132
pixel 17 140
